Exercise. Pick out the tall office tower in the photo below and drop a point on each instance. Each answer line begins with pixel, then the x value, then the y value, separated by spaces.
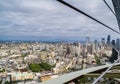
pixel 96 45
pixel 113 42
pixel 103 41
pixel 93 48
pixel 77 50
pixel 118 44
pixel 95 41
pixel 87 40
pixel 89 48
pixel 116 4
pixel 108 39
pixel 84 51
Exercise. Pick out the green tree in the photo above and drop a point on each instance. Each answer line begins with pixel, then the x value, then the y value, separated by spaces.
pixel 45 66
pixel 35 67
pixel 7 82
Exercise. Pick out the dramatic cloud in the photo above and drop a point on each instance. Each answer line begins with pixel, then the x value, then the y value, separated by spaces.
pixel 34 19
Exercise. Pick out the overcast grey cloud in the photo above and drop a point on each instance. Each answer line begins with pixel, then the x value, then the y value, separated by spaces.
pixel 21 19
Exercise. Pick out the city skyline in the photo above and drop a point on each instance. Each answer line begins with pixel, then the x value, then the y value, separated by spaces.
pixel 48 19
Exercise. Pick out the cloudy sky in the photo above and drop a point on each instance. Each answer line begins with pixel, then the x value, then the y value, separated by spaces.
pixel 51 20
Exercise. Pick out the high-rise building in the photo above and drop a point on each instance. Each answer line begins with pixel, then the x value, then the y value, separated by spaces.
pixel 108 39
pixel 116 4
pixel 75 49
pixel 113 42
pixel 84 51
pixel 87 40
pixel 103 41
pixel 90 48
pixel 96 45
pixel 118 44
